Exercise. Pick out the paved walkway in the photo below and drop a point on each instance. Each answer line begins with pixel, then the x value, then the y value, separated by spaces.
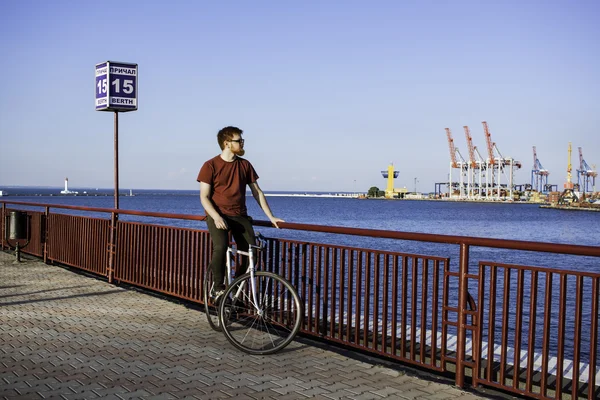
pixel 66 335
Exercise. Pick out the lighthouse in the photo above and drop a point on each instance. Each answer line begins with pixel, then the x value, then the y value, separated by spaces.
pixel 67 191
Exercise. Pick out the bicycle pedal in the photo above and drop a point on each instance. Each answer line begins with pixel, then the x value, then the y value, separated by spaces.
pixel 215 296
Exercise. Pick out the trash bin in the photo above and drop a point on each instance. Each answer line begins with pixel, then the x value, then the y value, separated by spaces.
pixel 17 225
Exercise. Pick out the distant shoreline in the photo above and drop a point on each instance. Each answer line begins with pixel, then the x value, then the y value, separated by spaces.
pixel 570 208
pixel 331 195
pixel 63 195
pixel 55 192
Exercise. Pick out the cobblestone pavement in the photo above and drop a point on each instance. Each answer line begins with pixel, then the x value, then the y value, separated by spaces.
pixel 66 335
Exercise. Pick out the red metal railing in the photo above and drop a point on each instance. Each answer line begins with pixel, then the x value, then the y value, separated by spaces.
pixel 523 329
pixel 78 241
pixel 507 293
pixel 162 258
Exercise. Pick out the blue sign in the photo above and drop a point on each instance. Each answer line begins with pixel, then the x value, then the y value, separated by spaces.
pixel 116 86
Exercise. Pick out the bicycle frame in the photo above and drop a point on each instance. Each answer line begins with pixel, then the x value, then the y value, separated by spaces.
pixel 251 268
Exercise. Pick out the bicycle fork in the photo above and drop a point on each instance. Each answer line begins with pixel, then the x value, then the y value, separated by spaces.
pixel 251 270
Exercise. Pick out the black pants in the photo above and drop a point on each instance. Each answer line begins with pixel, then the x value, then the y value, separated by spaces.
pixel 243 233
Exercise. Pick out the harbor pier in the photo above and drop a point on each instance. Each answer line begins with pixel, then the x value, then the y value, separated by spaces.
pixel 528 330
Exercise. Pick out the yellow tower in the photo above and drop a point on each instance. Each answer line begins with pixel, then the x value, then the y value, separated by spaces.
pixel 569 183
pixel 390 174
pixel 568 195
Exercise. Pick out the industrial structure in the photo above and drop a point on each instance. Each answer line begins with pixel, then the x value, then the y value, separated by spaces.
pixel 454 187
pixel 492 178
pixel 390 191
pixel 478 178
pixel 586 175
pixel 568 195
pixel 539 175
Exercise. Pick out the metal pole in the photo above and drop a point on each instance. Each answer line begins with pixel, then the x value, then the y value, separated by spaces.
pixel 4 226
pixel 45 231
pixel 463 270
pixel 113 221
pixel 116 160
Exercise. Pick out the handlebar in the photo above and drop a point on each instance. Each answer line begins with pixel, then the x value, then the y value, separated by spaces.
pixel 261 241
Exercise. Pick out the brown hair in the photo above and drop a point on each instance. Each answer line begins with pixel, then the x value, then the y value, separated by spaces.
pixel 226 134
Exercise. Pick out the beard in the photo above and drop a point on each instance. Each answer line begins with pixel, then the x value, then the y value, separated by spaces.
pixel 239 152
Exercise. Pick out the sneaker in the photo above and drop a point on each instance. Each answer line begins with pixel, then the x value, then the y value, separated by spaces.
pixel 216 294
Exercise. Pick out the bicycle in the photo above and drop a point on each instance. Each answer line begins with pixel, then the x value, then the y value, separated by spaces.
pixel 260 312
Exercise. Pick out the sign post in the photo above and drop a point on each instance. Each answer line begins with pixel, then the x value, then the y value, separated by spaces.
pixel 116 90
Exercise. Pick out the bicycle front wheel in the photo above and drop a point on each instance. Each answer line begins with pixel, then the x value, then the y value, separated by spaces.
pixel 267 325
pixel 210 307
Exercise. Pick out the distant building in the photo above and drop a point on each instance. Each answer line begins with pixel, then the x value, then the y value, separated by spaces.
pixel 414 196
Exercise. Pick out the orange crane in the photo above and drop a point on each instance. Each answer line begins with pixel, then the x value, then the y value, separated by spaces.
pixel 490 144
pixel 455 163
pixel 499 166
pixel 475 168
pixel 452 148
pixel 472 162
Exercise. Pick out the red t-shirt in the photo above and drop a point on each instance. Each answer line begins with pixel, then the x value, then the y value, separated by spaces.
pixel 228 181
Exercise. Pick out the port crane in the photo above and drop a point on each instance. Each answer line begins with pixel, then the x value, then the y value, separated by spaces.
pixel 539 175
pixel 456 163
pixel 497 166
pixel 479 178
pixel 490 162
pixel 585 175
pixel 453 163
pixel 475 168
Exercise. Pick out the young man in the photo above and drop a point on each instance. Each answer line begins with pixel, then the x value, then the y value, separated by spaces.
pixel 223 180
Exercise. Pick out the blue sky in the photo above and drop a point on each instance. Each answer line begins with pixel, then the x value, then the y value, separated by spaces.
pixel 328 93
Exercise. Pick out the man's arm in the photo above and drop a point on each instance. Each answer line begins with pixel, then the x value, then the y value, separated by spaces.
pixel 205 192
pixel 260 198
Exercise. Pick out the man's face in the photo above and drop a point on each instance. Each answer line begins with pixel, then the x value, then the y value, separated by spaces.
pixel 237 145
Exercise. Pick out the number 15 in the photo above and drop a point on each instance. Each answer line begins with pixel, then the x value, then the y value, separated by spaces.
pixel 127 85
pixel 101 86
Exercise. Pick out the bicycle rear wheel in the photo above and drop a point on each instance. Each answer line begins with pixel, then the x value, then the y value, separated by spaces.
pixel 211 308
pixel 267 326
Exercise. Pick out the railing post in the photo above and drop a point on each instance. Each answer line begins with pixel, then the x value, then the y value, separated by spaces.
pixel 45 233
pixel 3 225
pixel 324 268
pixel 110 273
pixel 463 270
